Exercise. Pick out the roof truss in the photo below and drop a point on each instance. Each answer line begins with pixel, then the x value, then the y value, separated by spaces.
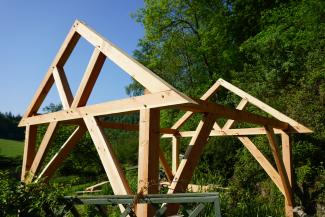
pixel 159 95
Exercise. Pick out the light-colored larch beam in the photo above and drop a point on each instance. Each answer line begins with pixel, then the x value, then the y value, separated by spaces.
pixel 287 160
pixel 89 79
pixel 263 161
pixel 287 155
pixel 193 152
pixel 60 59
pixel 242 104
pixel 132 127
pixel 40 155
pixel 235 114
pixel 279 164
pixel 136 70
pixel 192 155
pixel 63 87
pixel 258 103
pixel 216 127
pixel 29 149
pixel 62 153
pixel 148 158
pixel 230 132
pixel 107 156
pixel 212 90
pixel 175 153
pixel 165 166
pixel 154 100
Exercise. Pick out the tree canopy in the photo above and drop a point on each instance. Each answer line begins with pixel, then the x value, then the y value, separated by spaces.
pixel 274 50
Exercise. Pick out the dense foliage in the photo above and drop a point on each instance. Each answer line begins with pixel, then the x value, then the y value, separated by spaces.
pixel 271 49
pixel 37 199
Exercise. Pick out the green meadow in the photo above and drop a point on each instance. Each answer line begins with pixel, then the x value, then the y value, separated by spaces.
pixel 11 148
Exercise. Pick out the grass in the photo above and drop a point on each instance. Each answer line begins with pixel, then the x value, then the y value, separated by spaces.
pixel 11 148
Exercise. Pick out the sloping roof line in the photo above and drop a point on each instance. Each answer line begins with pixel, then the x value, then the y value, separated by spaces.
pixel 136 70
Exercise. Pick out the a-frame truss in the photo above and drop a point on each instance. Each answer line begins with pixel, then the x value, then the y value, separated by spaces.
pixel 159 95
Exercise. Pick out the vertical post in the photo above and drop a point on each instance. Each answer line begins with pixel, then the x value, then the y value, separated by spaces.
pixel 29 149
pixel 148 171
pixel 175 153
pixel 282 171
pixel 287 161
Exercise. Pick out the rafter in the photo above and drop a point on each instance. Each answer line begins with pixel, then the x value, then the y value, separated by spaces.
pixel 263 106
pixel 60 59
pixel 235 114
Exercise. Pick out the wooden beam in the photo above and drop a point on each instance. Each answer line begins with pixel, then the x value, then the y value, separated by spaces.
pixel 238 115
pixel 60 59
pixel 89 79
pixel 29 149
pixel 154 100
pixel 287 160
pixel 275 113
pixel 265 164
pixel 63 87
pixel 148 166
pixel 212 90
pixel 48 137
pixel 61 155
pixel 136 70
pixel 175 153
pixel 287 155
pixel 165 166
pixel 242 104
pixel 188 163
pixel 132 127
pixel 279 164
pixel 107 156
pixel 230 132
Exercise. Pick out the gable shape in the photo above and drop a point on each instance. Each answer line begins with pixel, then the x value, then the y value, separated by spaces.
pixel 103 48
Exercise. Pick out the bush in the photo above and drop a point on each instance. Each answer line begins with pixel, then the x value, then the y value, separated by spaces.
pixel 35 199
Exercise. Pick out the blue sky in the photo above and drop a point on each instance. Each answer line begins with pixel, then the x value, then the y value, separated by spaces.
pixel 32 32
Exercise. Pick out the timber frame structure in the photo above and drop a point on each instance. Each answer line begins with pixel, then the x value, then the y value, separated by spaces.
pixel 159 95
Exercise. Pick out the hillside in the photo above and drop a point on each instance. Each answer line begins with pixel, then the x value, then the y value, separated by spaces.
pixel 11 148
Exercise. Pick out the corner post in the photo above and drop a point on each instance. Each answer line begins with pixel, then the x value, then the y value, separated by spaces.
pixel 148 171
pixel 29 149
pixel 287 161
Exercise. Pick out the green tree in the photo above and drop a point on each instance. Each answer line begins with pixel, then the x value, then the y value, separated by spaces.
pixel 272 49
